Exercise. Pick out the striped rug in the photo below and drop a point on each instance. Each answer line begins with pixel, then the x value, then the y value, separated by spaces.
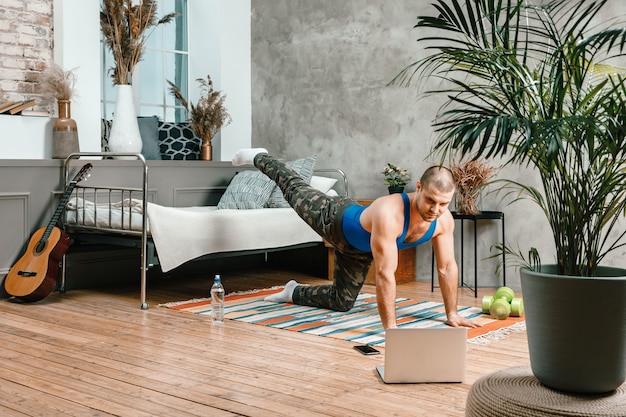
pixel 359 325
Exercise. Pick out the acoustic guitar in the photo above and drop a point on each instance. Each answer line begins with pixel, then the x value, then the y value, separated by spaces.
pixel 33 276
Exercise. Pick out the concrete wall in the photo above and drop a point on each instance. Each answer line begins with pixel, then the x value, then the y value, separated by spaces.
pixel 319 73
pixel 320 70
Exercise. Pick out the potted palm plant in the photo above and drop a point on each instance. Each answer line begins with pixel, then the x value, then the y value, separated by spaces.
pixel 530 81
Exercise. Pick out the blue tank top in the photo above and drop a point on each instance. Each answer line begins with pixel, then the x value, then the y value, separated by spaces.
pixel 360 238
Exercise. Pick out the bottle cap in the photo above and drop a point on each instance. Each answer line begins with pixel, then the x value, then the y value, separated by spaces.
pixel 218 278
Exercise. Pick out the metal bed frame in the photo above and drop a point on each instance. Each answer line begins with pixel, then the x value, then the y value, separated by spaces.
pixel 127 236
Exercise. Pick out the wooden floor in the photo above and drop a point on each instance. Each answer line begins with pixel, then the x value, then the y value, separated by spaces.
pixel 96 353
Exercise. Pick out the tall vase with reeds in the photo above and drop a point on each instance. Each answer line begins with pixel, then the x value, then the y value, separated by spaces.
pixel 58 84
pixel 126 25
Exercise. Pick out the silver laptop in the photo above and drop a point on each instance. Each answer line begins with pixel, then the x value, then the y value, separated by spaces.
pixel 424 355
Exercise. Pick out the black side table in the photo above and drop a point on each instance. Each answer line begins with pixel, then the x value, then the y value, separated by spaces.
pixel 483 215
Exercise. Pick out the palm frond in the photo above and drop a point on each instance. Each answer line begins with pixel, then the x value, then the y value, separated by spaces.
pixel 530 80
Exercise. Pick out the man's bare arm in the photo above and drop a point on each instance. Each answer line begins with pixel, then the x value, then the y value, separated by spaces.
pixel 447 270
pixel 385 228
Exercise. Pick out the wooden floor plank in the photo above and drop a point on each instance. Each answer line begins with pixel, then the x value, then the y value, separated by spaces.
pixel 95 352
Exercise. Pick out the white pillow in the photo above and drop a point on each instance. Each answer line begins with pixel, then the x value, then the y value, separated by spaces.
pixel 324 184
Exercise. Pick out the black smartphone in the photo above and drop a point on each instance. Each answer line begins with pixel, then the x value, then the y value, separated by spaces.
pixel 367 350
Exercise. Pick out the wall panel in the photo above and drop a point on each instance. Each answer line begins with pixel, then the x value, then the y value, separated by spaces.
pixel 14 224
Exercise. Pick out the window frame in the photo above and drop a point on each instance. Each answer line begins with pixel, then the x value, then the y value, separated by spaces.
pixel 166 110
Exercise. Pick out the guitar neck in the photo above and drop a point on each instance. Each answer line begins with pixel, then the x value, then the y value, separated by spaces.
pixel 82 174
pixel 55 218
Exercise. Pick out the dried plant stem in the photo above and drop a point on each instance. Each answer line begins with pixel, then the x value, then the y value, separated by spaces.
pixel 56 83
pixel 470 178
pixel 207 116
pixel 125 24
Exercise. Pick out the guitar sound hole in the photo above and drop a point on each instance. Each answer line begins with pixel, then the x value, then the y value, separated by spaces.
pixel 40 246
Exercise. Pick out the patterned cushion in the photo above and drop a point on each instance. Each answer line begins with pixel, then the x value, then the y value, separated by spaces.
pixel 247 190
pixel 304 167
pixel 178 141
pixel 105 131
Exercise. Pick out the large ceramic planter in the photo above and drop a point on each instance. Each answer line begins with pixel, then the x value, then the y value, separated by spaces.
pixel 576 329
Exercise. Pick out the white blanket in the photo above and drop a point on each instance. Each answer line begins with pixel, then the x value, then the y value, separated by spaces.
pixel 182 234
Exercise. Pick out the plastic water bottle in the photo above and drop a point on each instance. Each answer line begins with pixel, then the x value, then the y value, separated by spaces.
pixel 217 300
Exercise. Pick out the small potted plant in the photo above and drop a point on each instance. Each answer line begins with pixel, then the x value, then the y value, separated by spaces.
pixel 207 116
pixel 395 178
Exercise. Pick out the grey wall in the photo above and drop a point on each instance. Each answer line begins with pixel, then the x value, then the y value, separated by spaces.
pixel 319 75
pixel 320 70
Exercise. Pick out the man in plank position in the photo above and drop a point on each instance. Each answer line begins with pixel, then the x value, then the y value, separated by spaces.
pixel 375 232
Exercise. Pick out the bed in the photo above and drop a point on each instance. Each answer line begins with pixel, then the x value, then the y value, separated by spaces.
pixel 241 223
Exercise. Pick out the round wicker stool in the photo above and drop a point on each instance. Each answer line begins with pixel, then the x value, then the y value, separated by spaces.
pixel 516 392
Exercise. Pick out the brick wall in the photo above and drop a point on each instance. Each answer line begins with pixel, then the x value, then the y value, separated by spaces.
pixel 26 43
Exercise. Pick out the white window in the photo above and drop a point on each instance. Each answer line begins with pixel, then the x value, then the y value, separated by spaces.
pixel 165 57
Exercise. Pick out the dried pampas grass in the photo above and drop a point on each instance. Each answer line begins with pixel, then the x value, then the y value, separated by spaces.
pixel 207 116
pixel 124 24
pixel 56 83
pixel 470 178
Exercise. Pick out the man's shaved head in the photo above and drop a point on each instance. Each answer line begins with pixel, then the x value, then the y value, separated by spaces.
pixel 439 177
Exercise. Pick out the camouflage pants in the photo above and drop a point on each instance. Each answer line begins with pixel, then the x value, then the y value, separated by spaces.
pixel 324 214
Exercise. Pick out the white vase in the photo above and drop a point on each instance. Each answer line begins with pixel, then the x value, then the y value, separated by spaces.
pixel 125 136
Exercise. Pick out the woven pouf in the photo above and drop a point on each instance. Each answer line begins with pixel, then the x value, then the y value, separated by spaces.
pixel 516 392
